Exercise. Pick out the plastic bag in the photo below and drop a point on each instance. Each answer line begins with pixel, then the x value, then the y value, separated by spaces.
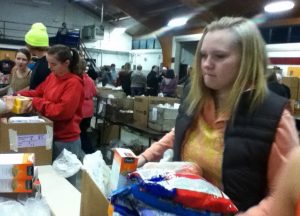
pixel 192 191
pixel 66 164
pixel 98 170
pixel 24 206
pixel 12 208
pixel 177 167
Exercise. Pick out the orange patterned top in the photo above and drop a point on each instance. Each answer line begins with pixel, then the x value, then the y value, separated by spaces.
pixel 204 145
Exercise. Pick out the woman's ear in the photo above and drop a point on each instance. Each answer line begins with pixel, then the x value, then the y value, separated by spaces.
pixel 67 63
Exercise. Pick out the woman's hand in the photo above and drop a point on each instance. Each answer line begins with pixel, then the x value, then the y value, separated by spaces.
pixel 9 102
pixel 28 107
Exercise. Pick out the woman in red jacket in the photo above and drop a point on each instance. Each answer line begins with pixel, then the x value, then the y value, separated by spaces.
pixel 87 109
pixel 60 98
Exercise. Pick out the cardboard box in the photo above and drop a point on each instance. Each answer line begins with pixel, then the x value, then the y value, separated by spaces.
pixel 104 92
pixel 291 81
pixel 136 141
pixel 122 103
pixel 115 114
pixel 142 104
pixel 109 132
pixel 162 126
pixel 93 201
pixel 28 138
pixel 293 71
pixel 140 111
pixel 124 162
pixel 162 118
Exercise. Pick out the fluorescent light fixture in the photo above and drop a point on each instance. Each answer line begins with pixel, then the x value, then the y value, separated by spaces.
pixel 118 30
pixel 180 21
pixel 279 6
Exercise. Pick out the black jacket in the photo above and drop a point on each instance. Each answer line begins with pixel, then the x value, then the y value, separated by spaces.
pixel 247 144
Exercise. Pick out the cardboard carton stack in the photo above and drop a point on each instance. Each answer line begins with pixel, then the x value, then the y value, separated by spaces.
pixel 105 92
pixel 120 109
pixel 293 84
pixel 28 138
pixel 162 118
pixel 143 104
pixel 16 173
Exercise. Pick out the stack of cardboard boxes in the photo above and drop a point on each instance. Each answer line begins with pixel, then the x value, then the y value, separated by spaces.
pixel 294 84
pixel 143 107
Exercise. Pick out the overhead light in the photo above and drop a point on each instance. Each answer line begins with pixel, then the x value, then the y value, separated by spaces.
pixel 118 30
pixel 279 6
pixel 180 21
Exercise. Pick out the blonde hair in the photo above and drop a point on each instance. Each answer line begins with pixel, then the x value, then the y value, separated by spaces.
pixel 251 72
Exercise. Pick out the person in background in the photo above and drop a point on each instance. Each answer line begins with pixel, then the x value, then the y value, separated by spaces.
pixel 169 84
pixel 113 73
pixel 162 70
pixel 236 130
pixel 138 82
pixel 275 85
pixel 60 98
pixel 63 30
pixel 186 77
pixel 106 77
pixel 91 70
pixel 37 41
pixel 124 78
pixel 153 80
pixel 20 74
pixel 87 109
pixel 287 190
pixel 6 66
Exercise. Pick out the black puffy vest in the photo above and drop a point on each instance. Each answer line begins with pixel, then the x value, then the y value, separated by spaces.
pixel 248 140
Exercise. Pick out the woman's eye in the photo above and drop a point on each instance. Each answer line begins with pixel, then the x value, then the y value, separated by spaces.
pixel 203 55
pixel 221 56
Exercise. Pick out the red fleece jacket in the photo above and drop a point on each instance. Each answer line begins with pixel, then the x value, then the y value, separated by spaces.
pixel 60 99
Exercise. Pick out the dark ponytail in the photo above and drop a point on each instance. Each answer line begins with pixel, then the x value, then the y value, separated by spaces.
pixel 64 53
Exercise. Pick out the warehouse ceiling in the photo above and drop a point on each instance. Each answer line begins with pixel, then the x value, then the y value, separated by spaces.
pixel 143 17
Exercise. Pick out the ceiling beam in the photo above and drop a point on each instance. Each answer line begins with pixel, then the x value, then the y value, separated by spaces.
pixel 282 22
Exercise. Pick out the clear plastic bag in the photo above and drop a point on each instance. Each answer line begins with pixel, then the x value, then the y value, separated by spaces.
pixel 24 206
pixel 66 164
pixel 99 171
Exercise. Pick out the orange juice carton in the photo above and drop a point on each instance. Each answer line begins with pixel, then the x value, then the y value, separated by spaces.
pixel 124 162
pixel 17 166
pixel 16 186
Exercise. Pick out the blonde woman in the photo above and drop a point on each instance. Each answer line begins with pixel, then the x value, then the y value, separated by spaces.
pixel 237 131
